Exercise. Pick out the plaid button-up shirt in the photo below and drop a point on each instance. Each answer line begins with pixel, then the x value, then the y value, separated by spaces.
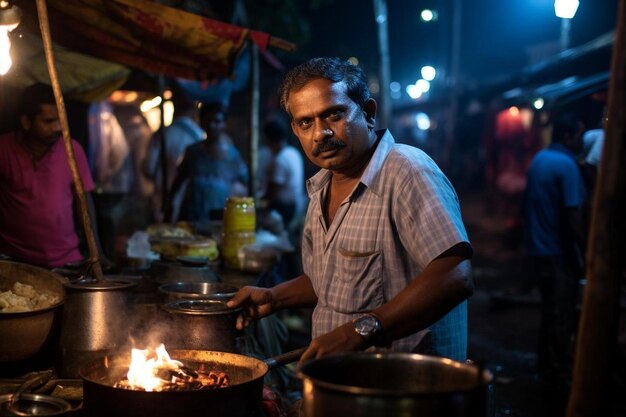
pixel 401 216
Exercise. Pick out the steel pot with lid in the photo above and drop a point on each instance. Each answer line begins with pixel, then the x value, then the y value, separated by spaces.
pixel 95 320
pixel 201 325
pixel 197 291
pixel 369 384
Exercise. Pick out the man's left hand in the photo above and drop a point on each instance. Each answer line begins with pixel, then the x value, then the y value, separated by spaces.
pixel 343 339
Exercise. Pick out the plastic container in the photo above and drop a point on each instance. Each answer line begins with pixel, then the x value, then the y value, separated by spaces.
pixel 238 229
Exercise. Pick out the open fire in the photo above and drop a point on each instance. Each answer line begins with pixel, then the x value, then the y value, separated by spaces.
pixel 154 370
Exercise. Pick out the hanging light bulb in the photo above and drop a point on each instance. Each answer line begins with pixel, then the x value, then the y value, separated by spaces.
pixel 10 16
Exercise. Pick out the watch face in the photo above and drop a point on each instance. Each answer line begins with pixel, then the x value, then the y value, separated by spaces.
pixel 366 325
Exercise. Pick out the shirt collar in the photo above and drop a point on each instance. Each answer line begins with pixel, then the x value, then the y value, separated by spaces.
pixel 369 175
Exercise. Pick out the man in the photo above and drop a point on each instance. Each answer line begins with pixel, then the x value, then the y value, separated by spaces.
pixel 553 240
pixel 183 132
pixel 593 142
pixel 214 168
pixel 36 186
pixel 385 253
pixel 284 172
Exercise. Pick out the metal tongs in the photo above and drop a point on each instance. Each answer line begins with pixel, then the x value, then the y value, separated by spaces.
pixel 33 380
pixel 35 383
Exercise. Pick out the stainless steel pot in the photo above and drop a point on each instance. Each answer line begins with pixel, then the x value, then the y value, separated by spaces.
pixel 196 291
pixel 25 335
pixel 95 321
pixel 201 325
pixel 393 384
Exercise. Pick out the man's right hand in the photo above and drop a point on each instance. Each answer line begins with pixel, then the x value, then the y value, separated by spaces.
pixel 255 302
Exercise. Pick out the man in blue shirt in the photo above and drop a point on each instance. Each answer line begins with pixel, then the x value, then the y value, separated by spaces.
pixel 214 168
pixel 553 240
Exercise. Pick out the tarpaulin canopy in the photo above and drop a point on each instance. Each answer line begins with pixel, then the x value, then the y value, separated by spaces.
pixel 81 76
pixel 148 36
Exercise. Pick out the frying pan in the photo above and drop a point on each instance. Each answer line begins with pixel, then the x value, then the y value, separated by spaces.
pixel 241 398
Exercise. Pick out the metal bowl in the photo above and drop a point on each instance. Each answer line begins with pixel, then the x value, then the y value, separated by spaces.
pixel 29 333
pixel 197 291
pixel 34 405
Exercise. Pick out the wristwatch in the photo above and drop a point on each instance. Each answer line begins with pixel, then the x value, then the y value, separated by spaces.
pixel 368 326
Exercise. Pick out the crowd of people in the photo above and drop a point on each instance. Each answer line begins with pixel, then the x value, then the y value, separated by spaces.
pixel 202 167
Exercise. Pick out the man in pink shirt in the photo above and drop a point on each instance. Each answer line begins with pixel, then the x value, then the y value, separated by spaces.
pixel 36 187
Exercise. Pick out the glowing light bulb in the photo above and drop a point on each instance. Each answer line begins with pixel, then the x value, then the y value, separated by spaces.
pixel 10 17
pixel 5 48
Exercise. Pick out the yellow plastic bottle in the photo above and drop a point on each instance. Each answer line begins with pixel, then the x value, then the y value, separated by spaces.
pixel 238 229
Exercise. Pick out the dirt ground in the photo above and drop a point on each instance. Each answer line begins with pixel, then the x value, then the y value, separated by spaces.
pixel 503 330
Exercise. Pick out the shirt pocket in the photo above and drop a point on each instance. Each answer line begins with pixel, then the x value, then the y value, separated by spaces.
pixel 358 283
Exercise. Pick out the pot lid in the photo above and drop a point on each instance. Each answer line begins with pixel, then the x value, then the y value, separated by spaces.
pixel 199 307
pixel 199 288
pixel 109 283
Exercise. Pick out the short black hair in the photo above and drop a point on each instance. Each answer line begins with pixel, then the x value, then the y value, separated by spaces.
pixel 275 131
pixel 212 108
pixel 564 126
pixel 182 101
pixel 33 97
pixel 332 69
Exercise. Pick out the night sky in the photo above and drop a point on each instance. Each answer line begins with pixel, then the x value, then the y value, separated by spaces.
pixel 495 33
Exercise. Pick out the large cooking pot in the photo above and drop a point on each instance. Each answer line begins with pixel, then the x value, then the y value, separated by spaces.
pixel 26 335
pixel 240 399
pixel 95 321
pixel 393 384
pixel 201 325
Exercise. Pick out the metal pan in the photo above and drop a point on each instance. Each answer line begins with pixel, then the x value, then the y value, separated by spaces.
pixel 241 398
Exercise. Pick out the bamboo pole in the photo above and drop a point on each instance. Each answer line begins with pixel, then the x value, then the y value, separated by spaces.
pixel 281 44
pixel 382 22
pixel 165 192
pixel 598 327
pixel 79 188
pixel 255 106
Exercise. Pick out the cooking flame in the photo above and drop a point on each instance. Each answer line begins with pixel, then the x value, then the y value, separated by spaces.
pixel 145 364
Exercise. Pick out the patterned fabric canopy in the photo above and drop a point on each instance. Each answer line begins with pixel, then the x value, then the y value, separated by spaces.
pixel 149 36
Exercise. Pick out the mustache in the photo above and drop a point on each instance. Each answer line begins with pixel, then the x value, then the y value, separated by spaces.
pixel 54 136
pixel 328 145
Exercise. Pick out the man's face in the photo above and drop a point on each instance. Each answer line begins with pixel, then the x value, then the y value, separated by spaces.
pixel 45 126
pixel 335 133
pixel 213 124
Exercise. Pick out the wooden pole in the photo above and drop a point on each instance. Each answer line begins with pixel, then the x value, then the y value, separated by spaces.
pixel 255 105
pixel 165 192
pixel 381 16
pixel 79 188
pixel 454 73
pixel 598 327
